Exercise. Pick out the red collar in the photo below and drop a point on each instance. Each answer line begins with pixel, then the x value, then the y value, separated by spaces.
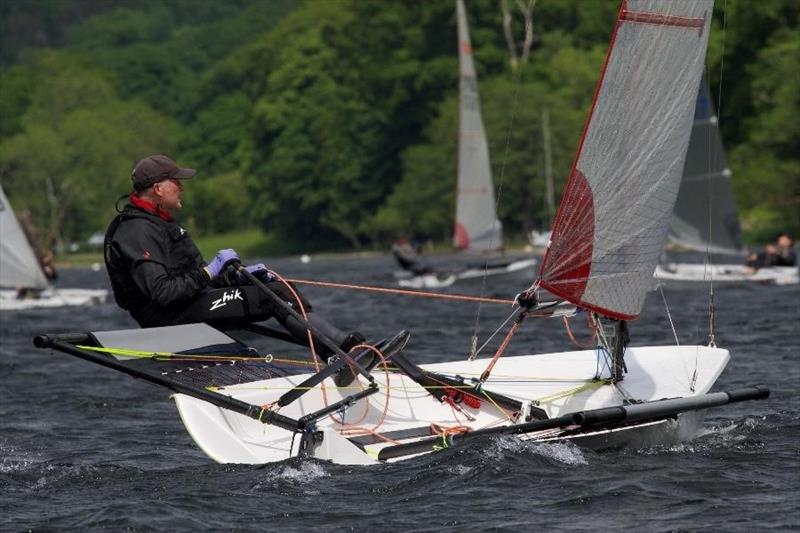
pixel 150 207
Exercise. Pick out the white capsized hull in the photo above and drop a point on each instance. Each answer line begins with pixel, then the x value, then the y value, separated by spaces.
pixel 560 383
pixel 52 298
pixel 694 272
pixel 438 281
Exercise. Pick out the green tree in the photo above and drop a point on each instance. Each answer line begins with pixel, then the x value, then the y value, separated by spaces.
pixel 77 146
pixel 766 166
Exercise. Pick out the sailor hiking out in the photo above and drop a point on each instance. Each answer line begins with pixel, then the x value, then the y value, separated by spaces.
pixel 159 276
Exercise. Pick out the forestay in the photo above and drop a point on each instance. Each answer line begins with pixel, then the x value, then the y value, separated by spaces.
pixel 18 264
pixel 615 212
pixel 705 217
pixel 477 227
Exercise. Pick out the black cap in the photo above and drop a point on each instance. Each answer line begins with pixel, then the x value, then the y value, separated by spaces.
pixel 155 168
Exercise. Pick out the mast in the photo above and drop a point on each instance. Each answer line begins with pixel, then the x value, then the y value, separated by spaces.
pixel 477 227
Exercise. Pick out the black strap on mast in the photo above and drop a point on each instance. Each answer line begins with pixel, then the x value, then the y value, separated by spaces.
pixel 614 338
pixel 621 340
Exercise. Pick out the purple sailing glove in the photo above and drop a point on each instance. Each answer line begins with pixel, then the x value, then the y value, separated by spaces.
pixel 260 271
pixel 221 262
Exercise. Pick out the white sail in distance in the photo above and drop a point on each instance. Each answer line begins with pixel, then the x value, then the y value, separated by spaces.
pixel 477 227
pixel 614 216
pixel 18 264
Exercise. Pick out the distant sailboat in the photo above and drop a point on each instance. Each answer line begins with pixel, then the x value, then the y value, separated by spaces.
pixel 477 227
pixel 705 218
pixel 21 273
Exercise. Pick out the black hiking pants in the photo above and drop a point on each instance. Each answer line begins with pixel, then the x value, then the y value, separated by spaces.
pixel 229 306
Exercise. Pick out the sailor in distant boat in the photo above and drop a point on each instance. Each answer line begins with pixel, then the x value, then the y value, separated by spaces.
pixel 43 256
pixel 779 254
pixel 159 276
pixel 407 256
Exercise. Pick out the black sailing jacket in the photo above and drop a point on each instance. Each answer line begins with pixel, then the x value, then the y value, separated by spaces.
pixel 154 266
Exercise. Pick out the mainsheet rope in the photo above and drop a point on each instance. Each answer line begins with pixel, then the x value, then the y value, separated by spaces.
pixel 404 292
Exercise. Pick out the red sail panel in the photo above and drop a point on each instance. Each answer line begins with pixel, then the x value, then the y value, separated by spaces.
pixel 569 258
pixel 460 236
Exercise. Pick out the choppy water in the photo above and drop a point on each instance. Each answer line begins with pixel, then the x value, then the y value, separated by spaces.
pixel 84 447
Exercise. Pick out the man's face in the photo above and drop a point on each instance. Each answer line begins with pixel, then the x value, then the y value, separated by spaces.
pixel 169 192
pixel 784 241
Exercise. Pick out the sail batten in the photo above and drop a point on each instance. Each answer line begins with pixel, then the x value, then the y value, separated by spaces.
pixel 477 227
pixel 615 212
pixel 18 264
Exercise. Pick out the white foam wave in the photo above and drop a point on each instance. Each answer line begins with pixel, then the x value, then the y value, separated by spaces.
pixel 563 452
pixel 15 460
pixel 731 435
pixel 305 473
pixel 559 451
pixel 459 470
pixel 10 466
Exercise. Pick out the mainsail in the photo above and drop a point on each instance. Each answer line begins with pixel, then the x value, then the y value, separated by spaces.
pixel 477 227
pixel 615 212
pixel 18 264
pixel 705 217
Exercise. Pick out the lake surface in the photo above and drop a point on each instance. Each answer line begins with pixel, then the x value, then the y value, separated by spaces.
pixel 83 447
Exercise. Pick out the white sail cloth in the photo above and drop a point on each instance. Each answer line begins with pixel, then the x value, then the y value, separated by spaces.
pixel 477 227
pixel 18 264
pixel 614 216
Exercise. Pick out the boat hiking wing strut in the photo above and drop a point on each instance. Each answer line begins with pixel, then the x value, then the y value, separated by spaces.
pixel 64 343
pixel 306 425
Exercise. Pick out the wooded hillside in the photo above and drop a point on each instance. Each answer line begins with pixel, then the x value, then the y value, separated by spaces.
pixel 333 124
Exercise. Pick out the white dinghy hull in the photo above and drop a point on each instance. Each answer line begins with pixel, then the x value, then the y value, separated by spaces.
pixel 689 272
pixel 558 383
pixel 523 268
pixel 52 298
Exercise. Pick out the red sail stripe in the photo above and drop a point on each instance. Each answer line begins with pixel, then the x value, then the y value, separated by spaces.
pixel 549 257
pixel 460 236
pixel 570 254
pixel 663 19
